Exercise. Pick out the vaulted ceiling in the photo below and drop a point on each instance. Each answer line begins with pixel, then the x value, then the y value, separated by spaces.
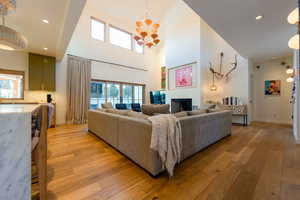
pixel 235 21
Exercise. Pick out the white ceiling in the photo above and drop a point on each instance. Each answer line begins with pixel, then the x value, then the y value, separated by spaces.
pixel 235 21
pixel 133 10
pixel 61 14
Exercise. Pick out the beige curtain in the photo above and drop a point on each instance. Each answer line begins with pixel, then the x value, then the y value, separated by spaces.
pixel 78 89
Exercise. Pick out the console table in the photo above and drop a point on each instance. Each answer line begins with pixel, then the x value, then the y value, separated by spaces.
pixel 238 110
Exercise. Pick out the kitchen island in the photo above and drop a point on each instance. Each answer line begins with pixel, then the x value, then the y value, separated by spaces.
pixel 15 151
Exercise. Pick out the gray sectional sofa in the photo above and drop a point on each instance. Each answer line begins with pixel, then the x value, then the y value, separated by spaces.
pixel 132 135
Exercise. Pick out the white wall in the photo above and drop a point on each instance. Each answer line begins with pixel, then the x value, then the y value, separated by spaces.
pixel 296 123
pixel 181 45
pixel 276 109
pixel 84 46
pixel 17 60
pixel 187 39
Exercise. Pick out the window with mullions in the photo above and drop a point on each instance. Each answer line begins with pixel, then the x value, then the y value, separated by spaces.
pixel 106 91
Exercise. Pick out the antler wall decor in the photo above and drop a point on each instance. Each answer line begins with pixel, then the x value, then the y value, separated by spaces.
pixel 218 74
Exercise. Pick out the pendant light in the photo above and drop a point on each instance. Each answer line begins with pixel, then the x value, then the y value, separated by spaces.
pixel 213 87
pixel 9 38
pixel 293 18
pixel 147 31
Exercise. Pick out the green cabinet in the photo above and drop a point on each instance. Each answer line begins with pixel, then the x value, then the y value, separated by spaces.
pixel 41 72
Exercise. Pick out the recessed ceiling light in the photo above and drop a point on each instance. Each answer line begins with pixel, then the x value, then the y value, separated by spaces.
pixel 45 21
pixel 45 48
pixel 258 17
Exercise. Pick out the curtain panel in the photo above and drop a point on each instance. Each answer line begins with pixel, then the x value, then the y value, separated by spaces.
pixel 78 89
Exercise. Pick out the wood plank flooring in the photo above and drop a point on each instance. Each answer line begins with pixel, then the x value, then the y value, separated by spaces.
pixel 259 162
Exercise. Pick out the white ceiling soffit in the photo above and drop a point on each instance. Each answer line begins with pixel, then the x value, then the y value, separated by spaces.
pixel 235 21
pixel 62 15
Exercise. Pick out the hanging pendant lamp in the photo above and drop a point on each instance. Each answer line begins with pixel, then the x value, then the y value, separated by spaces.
pixel 147 31
pixel 9 38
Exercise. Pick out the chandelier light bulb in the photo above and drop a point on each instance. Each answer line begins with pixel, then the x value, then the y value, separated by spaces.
pixel 213 88
pixel 294 42
pixel 293 17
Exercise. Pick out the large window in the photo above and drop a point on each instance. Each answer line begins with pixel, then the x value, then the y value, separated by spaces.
pixel 107 91
pixel 120 38
pixel 11 84
pixel 97 29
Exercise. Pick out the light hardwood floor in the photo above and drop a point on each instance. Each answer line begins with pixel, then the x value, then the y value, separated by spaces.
pixel 258 162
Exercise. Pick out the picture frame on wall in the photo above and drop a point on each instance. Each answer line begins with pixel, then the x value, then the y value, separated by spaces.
pixel 184 77
pixel 272 87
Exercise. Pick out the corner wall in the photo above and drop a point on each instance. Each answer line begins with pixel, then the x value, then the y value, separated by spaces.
pixel 274 109
pixel 187 39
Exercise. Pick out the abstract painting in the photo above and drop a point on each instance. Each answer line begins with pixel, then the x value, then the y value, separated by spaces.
pixel 184 76
pixel 272 87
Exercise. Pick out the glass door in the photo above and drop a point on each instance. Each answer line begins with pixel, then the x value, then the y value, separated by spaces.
pixel 138 94
pixel 97 94
pixel 113 93
pixel 127 94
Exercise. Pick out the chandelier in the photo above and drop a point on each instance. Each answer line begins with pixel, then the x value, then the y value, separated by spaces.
pixel 9 38
pixel 147 31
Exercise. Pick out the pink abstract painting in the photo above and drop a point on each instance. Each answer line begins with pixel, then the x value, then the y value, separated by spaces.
pixel 184 77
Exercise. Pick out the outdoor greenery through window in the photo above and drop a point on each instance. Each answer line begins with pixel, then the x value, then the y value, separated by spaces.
pixel 11 84
pixel 106 91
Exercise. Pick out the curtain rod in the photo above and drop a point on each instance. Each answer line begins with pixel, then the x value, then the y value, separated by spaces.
pixel 195 62
pixel 111 63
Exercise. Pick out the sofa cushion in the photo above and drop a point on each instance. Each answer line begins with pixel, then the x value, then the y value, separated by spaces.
pixel 107 105
pixel 101 109
pixel 118 112
pixel 150 109
pixel 207 106
pixel 197 112
pixel 181 114
pixel 137 115
pixel 215 110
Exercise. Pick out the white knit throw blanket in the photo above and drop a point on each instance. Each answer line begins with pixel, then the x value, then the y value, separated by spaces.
pixel 166 140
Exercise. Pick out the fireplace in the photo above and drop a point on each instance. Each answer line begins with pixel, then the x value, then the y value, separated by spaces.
pixel 178 105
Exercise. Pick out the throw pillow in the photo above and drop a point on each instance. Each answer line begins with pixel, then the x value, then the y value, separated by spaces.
pixel 137 115
pixel 181 114
pixel 150 109
pixel 107 105
pixel 118 112
pixel 197 112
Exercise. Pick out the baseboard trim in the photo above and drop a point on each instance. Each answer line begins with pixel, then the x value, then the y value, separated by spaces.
pixel 273 122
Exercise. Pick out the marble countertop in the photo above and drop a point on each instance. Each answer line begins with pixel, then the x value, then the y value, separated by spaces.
pixel 17 108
